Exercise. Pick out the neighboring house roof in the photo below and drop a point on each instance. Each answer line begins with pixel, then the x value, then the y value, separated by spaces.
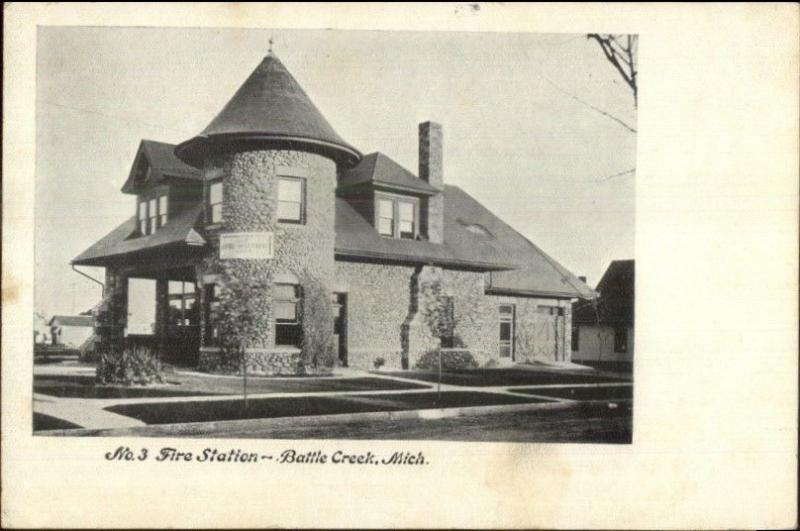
pixel 270 106
pixel 379 170
pixel 121 241
pixel 72 320
pixel 616 302
pixel 164 165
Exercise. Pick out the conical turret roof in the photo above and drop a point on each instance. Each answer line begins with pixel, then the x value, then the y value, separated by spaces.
pixel 270 107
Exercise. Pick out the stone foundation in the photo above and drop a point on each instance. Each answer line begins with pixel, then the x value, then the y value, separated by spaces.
pixel 260 362
pixel 365 359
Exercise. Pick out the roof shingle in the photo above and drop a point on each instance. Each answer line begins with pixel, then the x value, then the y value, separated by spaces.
pixel 179 230
pixel 380 170
pixel 270 106
pixel 163 165
pixel 616 303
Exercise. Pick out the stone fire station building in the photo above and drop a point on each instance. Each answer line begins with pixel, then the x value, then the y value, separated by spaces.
pixel 228 224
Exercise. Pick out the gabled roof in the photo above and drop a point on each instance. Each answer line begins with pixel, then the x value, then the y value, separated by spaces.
pixel 164 165
pixel 616 303
pixel 535 272
pixel 379 170
pixel 122 240
pixel 357 238
pixel 270 106
pixel 71 320
pixel 516 264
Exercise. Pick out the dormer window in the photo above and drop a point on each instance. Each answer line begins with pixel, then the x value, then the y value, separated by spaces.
pixel 152 213
pixel 397 216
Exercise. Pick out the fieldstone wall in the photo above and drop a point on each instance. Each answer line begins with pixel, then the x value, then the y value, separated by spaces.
pixel 538 336
pixel 426 290
pixel 389 308
pixel 365 359
pixel 260 362
pixel 475 315
pixel 378 301
pixel 250 195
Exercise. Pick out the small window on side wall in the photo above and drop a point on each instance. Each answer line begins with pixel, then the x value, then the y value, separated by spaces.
pixel 620 340
pixel 291 200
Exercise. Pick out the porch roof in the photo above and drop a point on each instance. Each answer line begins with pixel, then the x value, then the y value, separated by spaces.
pixel 124 240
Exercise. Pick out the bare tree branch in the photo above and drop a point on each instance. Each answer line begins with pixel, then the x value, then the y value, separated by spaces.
pixel 596 109
pixel 620 174
pixel 622 57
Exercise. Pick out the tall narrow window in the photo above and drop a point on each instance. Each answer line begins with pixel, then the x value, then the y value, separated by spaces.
pixel 576 338
pixel 291 199
pixel 152 215
pixel 506 340
pixel 142 216
pixel 214 213
pixel 386 217
pixel 406 219
pixel 211 297
pixel 288 331
pixel 621 340
pixel 182 303
pixel 163 210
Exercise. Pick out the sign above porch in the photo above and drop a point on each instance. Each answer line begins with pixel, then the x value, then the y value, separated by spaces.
pixel 246 245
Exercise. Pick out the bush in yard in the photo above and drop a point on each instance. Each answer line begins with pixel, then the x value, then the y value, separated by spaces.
pixel 491 363
pixel 452 359
pixel 379 362
pixel 318 353
pixel 132 364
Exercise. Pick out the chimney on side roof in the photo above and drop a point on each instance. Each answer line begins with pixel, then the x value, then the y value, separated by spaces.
pixel 582 279
pixel 431 170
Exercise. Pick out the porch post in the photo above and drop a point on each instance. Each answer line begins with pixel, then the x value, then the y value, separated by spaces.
pixel 162 309
pixel 116 307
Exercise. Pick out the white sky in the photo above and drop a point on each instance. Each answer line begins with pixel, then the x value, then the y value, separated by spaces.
pixel 512 139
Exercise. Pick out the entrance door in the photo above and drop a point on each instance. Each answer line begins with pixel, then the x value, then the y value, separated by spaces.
pixel 182 324
pixel 506 337
pixel 549 333
pixel 340 326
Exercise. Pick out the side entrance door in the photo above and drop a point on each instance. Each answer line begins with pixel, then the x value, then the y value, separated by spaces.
pixel 506 339
pixel 340 326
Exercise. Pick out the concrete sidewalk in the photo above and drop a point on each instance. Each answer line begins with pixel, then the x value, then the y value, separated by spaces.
pixel 81 413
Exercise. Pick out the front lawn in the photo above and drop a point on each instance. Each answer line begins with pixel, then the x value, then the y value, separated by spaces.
pixel 621 392
pixel 504 377
pixel 46 422
pixel 69 386
pixel 64 386
pixel 209 411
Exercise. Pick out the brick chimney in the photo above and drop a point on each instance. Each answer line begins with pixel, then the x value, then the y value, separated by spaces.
pixel 432 171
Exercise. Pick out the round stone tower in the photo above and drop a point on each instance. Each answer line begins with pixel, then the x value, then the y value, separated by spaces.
pixel 270 162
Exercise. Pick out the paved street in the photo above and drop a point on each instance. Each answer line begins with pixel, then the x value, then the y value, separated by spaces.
pixel 585 422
